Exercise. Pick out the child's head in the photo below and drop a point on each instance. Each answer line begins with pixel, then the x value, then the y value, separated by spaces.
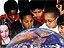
pixel 60 23
pixel 11 9
pixel 37 9
pixel 27 19
pixel 4 31
pixel 51 15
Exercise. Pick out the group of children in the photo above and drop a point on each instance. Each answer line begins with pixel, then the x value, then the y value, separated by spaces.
pixel 13 22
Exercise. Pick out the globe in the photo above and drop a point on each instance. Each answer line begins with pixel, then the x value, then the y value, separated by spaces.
pixel 37 38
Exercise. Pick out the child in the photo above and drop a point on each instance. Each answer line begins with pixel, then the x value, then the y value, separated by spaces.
pixel 60 23
pixel 37 9
pixel 27 22
pixel 51 15
pixel 6 33
pixel 11 10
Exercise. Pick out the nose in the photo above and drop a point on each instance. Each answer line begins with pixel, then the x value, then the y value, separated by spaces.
pixel 47 23
pixel 4 33
pixel 13 16
pixel 60 29
pixel 29 23
pixel 37 14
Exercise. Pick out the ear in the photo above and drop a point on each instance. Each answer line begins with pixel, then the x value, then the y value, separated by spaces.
pixel 20 20
pixel 57 17
pixel 31 11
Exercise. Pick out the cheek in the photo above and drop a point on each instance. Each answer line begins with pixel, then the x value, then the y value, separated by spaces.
pixel 40 14
pixel 34 14
pixel 10 17
pixel 32 22
pixel 54 24
pixel 60 30
pixel 25 24
pixel 63 30
pixel 2 34
pixel 7 33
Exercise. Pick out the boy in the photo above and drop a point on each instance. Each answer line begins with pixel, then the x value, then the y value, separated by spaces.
pixel 11 10
pixel 27 22
pixel 51 15
pixel 37 9
pixel 60 23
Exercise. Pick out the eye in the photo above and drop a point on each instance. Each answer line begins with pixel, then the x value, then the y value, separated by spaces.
pixel 49 21
pixel 39 11
pixel 1 31
pixel 26 21
pixel 35 12
pixel 6 30
pixel 31 20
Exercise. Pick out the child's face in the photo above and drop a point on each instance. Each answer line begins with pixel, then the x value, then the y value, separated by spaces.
pixel 28 21
pixel 62 12
pixel 12 15
pixel 50 20
pixel 37 12
pixel 4 31
pixel 61 29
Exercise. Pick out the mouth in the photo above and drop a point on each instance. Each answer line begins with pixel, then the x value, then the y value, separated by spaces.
pixel 5 37
pixel 62 33
pixel 12 19
pixel 30 27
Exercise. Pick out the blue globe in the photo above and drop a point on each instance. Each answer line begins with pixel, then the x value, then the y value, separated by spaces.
pixel 37 38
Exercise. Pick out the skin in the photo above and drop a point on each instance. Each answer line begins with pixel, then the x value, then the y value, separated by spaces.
pixel 12 15
pixel 4 31
pixel 37 13
pixel 50 20
pixel 61 29
pixel 28 21
pixel 62 12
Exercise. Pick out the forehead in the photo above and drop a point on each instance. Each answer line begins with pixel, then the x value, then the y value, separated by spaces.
pixel 3 27
pixel 12 12
pixel 49 15
pixel 27 17
pixel 61 25
pixel 36 10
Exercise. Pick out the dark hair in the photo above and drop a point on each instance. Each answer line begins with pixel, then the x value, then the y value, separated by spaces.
pixel 23 5
pixel 10 5
pixel 2 22
pixel 24 13
pixel 37 4
pixel 10 27
pixel 52 10
pixel 60 20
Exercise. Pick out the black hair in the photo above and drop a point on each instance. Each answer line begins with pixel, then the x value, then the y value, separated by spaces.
pixel 53 10
pixel 24 13
pixel 60 20
pixel 63 5
pixel 23 5
pixel 10 5
pixel 37 4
